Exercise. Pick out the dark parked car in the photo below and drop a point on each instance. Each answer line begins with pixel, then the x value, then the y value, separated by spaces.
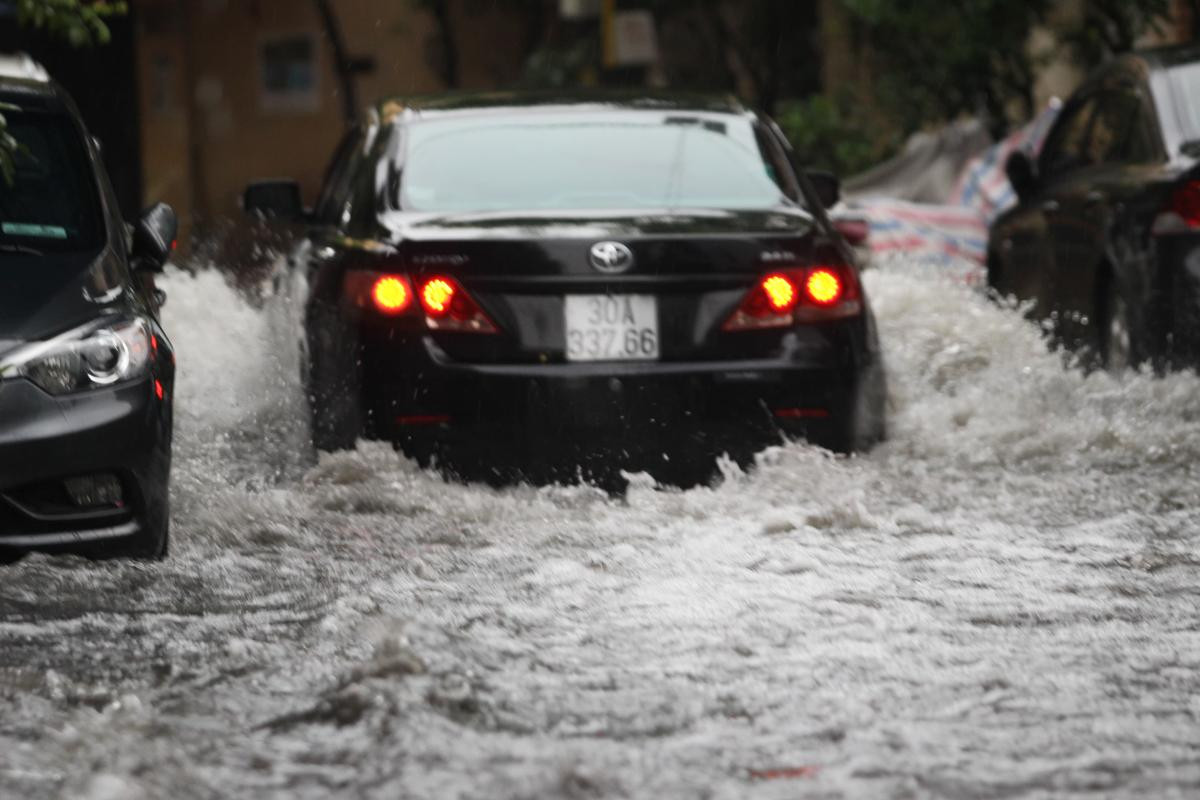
pixel 560 278
pixel 86 372
pixel 1105 240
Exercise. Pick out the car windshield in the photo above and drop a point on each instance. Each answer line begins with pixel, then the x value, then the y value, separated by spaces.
pixel 1185 86
pixel 566 162
pixel 50 203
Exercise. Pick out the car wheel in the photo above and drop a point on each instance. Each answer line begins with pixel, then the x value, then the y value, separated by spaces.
pixel 1116 333
pixel 10 556
pixel 993 273
pixel 866 426
pixel 151 544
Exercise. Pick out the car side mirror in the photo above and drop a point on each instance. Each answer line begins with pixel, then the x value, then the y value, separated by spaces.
pixel 279 199
pixel 154 237
pixel 1022 174
pixel 827 186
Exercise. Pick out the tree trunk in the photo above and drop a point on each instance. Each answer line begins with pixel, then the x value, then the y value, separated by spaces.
pixel 440 9
pixel 343 65
pixel 736 58
pixel 770 81
pixel 197 184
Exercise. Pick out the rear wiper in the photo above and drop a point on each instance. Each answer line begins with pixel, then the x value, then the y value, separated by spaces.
pixel 708 125
pixel 20 248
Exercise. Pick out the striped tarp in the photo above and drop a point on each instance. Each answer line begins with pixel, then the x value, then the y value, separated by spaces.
pixel 929 231
pixel 956 230
pixel 983 184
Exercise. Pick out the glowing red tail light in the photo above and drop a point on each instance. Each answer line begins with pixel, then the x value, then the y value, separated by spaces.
pixel 824 287
pixel 783 298
pixel 448 307
pixel 392 294
pixel 1185 201
pixel 437 296
pixel 780 292
pixel 1182 213
pixel 440 301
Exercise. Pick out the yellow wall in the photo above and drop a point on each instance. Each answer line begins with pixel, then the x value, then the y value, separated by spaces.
pixel 238 138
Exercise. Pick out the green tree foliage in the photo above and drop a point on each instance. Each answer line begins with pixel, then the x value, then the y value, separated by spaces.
pixel 767 49
pixel 827 133
pixel 444 55
pixel 935 59
pixel 78 22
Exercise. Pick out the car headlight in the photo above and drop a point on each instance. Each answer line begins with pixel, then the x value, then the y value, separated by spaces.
pixel 96 355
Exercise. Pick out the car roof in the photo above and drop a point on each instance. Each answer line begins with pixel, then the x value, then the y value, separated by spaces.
pixel 598 100
pixel 1168 56
pixel 19 66
pixel 23 80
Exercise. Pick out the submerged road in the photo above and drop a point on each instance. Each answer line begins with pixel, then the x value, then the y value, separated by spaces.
pixel 1002 601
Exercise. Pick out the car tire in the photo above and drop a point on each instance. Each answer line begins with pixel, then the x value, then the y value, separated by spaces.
pixel 10 556
pixel 333 385
pixel 993 273
pixel 151 544
pixel 1118 352
pixel 866 425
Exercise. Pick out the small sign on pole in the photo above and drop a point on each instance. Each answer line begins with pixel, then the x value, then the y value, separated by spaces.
pixel 631 38
pixel 579 9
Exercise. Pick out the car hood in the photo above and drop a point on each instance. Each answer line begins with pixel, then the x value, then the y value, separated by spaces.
pixel 408 226
pixel 44 295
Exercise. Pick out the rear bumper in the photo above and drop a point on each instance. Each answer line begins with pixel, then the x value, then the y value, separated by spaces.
pixel 122 432
pixel 416 393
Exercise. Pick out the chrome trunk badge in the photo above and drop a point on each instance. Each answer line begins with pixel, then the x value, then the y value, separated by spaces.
pixel 611 257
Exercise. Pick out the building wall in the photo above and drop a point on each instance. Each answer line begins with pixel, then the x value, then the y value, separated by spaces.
pixel 209 127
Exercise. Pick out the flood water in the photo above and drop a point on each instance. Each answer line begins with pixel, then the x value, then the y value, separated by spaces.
pixel 1001 601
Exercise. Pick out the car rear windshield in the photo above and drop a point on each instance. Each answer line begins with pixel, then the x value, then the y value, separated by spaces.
pixel 50 200
pixel 567 162
pixel 1185 86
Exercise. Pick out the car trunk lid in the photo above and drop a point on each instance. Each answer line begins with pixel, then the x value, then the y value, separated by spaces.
pixel 688 270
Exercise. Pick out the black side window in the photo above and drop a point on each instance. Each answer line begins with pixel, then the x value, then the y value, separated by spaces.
pixel 1066 146
pixel 333 202
pixel 773 164
pixel 1123 131
pixel 51 202
pixel 376 177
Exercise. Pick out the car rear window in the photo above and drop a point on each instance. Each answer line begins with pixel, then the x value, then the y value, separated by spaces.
pixel 51 201
pixel 1185 87
pixel 586 161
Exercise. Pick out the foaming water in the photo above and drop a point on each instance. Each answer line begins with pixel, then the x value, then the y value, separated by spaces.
pixel 972 383
pixel 239 403
pixel 999 601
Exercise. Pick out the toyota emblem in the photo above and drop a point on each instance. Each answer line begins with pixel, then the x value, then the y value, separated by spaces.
pixel 611 257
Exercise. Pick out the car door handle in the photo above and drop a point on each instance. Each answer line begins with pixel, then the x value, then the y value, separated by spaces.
pixel 1050 206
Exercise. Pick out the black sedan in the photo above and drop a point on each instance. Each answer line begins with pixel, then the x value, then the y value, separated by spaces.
pixel 603 280
pixel 86 372
pixel 1105 239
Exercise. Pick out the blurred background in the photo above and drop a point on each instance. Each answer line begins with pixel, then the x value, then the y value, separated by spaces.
pixel 194 98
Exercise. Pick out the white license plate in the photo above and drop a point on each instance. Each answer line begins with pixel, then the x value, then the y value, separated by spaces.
pixel 621 327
